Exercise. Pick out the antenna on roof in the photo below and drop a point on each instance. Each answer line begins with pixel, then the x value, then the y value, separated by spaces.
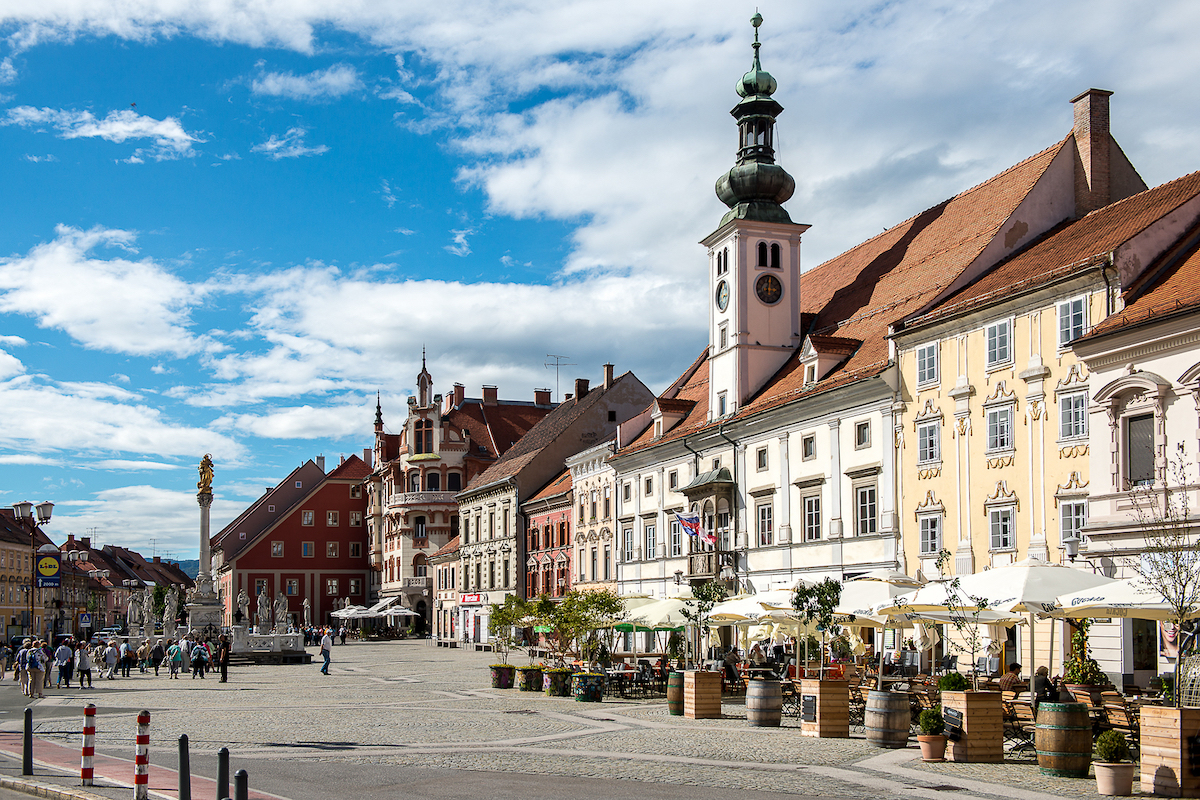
pixel 558 363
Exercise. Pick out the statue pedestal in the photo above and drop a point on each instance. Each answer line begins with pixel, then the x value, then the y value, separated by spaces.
pixel 204 617
pixel 241 639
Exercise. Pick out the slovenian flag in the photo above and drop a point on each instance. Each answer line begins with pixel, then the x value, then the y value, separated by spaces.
pixel 689 522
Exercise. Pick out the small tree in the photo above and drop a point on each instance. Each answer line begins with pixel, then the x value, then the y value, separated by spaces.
pixel 572 622
pixel 816 604
pixel 964 611
pixel 707 595
pixel 502 622
pixel 1170 560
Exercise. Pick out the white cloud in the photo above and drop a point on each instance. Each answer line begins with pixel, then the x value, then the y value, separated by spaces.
pixel 28 459
pixel 325 84
pixel 405 231
pixel 290 146
pixel 302 422
pixel 41 159
pixel 168 136
pixel 61 286
pixel 386 193
pixel 460 246
pixel 8 73
pixel 126 465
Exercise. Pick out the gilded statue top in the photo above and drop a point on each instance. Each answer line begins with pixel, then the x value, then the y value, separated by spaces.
pixel 206 474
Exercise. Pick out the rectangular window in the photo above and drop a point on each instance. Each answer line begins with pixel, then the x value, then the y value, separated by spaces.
pixel 355 519
pixel 356 492
pixel 507 573
pixel 307 517
pixel 307 549
pixel 724 532
pixel 625 491
pixel 808 447
pixel 722 404
pixel 864 510
pixel 608 562
pixel 651 541
pixel 862 434
pixel 649 486
pixel 293 587
pixel 1073 413
pixel 331 587
pixel 1072 320
pixel 766 525
pixel 760 458
pixel 607 502
pixel 927 364
pixel 331 519
pixel 276 549
pixel 673 479
pixel 331 549
pixel 812 518
pixel 356 549
pixel 810 373
pixel 356 586
pixel 723 337
pixel 931 535
pixel 1139 442
pixel 582 576
pixel 627 544
pixel 271 509
pixel 1001 524
pixel 260 586
pixel 676 538
pixel 1073 517
pixel 491 574
pixel 929 442
pixel 595 564
pixel 999 423
pixel 998 348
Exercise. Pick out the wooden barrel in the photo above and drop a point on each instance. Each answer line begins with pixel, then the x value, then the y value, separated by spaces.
pixel 764 703
pixel 1064 739
pixel 887 719
pixel 675 694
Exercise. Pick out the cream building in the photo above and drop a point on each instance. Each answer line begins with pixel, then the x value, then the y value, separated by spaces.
pixel 593 540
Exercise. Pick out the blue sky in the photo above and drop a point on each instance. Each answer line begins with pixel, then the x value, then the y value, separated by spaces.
pixel 228 224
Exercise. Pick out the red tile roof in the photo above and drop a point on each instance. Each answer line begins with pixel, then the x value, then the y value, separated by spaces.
pixel 449 548
pixel 353 468
pixel 560 484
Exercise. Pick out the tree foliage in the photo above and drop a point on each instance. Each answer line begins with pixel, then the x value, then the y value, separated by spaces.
pixel 964 611
pixel 707 595
pixel 503 621
pixel 572 623
pixel 816 605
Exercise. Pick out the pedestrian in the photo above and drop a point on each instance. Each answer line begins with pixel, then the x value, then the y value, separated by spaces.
pixel 326 649
pixel 175 659
pixel 62 660
pixel 342 634
pixel 5 657
pixel 186 645
pixel 112 658
pixel 143 657
pixel 157 653
pixel 21 670
pixel 36 667
pixel 223 653
pixel 47 660
pixel 83 665
pixel 128 654
pixel 199 657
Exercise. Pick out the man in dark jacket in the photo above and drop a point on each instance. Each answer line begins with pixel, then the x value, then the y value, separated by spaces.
pixel 223 653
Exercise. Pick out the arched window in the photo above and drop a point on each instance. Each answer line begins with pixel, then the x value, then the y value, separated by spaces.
pixel 454 482
pixel 414 481
pixel 423 436
pixel 762 254
pixel 420 565
pixel 433 482
pixel 775 253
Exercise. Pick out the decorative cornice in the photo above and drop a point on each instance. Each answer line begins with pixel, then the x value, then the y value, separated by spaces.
pixel 1071 451
pixel 1001 394
pixel 928 412
pixel 1002 495
pixel 1074 379
pixel 930 472
pixel 929 505
pixel 1000 462
pixel 1074 487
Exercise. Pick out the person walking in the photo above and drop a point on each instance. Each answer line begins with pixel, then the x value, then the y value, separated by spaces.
pixel 342 634
pixel 186 645
pixel 62 660
pixel 5 657
pixel 21 667
pixel 326 650
pixel 175 659
pixel 47 660
pixel 157 653
pixel 83 665
pixel 128 654
pixel 143 657
pixel 223 653
pixel 112 656
pixel 199 658
pixel 36 668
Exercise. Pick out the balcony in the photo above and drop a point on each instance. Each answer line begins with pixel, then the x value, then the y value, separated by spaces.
pixel 708 564
pixel 409 499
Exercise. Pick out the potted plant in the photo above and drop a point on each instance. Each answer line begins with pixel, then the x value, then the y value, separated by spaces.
pixel 953 682
pixel 1083 673
pixel 702 688
pixel 588 687
pixel 531 678
pixel 931 738
pixel 816 605
pixel 557 681
pixel 501 624
pixel 1114 769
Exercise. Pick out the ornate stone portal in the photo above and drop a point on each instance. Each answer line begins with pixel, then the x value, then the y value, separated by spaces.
pixel 204 607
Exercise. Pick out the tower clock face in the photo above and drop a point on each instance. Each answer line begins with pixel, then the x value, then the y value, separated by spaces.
pixel 722 295
pixel 769 289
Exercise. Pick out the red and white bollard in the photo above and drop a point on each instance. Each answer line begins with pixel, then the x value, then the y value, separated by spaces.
pixel 141 758
pixel 89 744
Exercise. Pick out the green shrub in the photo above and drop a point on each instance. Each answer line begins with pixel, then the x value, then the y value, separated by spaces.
pixel 1111 747
pixel 931 721
pixel 953 682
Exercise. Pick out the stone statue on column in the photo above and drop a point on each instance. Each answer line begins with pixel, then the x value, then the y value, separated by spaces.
pixel 148 616
pixel 243 605
pixel 307 613
pixel 281 613
pixel 133 612
pixel 170 608
pixel 262 619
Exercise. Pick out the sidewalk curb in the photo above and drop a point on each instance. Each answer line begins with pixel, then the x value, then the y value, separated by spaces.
pixel 50 790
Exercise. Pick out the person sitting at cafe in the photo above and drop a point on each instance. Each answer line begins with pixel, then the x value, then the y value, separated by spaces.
pixel 1043 689
pixel 1011 680
pixel 757 656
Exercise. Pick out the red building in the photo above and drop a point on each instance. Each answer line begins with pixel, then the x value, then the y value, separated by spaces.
pixel 305 538
pixel 548 542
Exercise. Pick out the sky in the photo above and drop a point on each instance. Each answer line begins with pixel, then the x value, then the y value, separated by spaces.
pixel 227 224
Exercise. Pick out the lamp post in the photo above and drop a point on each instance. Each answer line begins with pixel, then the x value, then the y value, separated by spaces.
pixel 25 513
pixel 76 558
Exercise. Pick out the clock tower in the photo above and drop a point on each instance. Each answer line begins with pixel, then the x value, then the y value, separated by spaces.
pixel 753 255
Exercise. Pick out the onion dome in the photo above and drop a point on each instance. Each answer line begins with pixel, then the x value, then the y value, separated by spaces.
pixel 756 186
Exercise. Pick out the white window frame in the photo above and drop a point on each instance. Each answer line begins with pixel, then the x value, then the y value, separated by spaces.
pixel 308 549
pixel 627 544
pixel 861 441
pixel 999 420
pixel 355 587
pixel 723 336
pixel 650 539
pixel 1073 416
pixel 292 587
pixel 648 485
pixel 996 532
pixel 866 525
pixel 1072 320
pixel 331 587
pixel 355 519
pixel 308 518
pixel 355 549
pixel 764 515
pixel 331 549
pixel 993 357
pixel 928 368
pixel 676 538
pixel 804 442
pixel 929 442
pixel 722 404
pixel 761 460
pixel 811 505
pixel 930 534
pixel 1072 516
pixel 332 519
pixel 276 549
pixel 582 570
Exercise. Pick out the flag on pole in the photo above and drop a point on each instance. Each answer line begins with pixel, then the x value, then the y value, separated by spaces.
pixel 689 522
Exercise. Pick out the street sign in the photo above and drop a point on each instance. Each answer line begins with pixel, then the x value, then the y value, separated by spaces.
pixel 47 570
pixel 85 620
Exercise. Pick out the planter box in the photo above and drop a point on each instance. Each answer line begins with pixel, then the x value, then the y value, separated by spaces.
pixel 832 706
pixel 502 677
pixel 702 695
pixel 982 738
pixel 530 679
pixel 557 684
pixel 1165 768
pixel 588 687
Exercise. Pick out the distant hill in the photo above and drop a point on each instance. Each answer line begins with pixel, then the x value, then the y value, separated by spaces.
pixel 190 568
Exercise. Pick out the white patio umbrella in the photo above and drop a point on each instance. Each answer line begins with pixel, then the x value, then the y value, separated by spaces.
pixel 736 609
pixel 663 615
pixel 348 612
pixel 1131 597
pixel 400 611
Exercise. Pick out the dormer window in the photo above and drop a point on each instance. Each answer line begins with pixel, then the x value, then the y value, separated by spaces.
pixel 810 373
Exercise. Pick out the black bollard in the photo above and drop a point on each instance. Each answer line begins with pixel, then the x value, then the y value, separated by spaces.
pixel 185 769
pixel 27 744
pixel 241 785
pixel 223 773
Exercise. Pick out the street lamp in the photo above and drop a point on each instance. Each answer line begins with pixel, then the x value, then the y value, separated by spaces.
pixel 75 558
pixel 25 513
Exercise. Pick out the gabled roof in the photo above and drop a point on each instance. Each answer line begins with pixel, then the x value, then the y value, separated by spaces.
pixel 448 549
pixel 352 469
pixel 260 516
pixel 561 484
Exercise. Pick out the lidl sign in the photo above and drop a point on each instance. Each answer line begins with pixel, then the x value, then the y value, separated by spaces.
pixel 47 570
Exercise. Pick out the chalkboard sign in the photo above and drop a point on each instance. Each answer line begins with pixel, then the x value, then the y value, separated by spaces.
pixel 1193 745
pixel 808 708
pixel 954 723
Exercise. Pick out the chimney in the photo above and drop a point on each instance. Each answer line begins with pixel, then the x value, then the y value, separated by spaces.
pixel 541 397
pixel 321 463
pixel 581 387
pixel 158 559
pixel 459 394
pixel 608 376
pixel 86 541
pixel 367 456
pixel 1092 144
pixel 489 395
